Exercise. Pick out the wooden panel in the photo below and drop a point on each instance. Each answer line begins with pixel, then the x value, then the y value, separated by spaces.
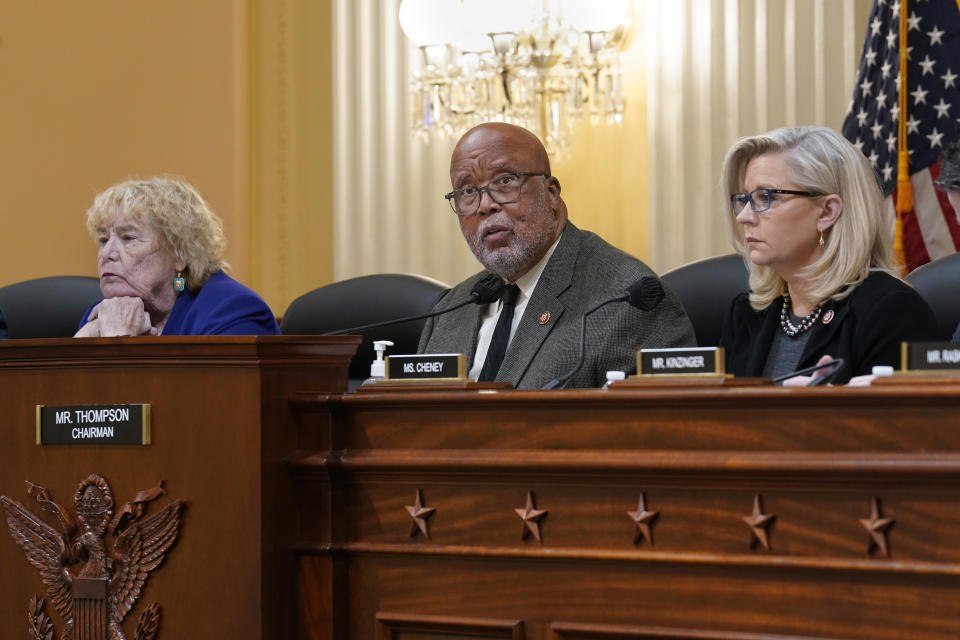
pixel 403 626
pixel 768 507
pixel 767 600
pixel 221 426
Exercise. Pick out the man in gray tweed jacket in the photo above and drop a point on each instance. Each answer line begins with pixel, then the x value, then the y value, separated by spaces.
pixel 515 222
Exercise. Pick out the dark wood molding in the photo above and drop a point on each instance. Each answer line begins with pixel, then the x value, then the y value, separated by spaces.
pixel 391 626
pixel 580 631
pixel 817 564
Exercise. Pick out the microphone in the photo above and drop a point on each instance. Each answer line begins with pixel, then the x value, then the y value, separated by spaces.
pixel 834 367
pixel 644 294
pixel 488 289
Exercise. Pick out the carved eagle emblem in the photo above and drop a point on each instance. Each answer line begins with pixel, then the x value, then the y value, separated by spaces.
pixel 94 565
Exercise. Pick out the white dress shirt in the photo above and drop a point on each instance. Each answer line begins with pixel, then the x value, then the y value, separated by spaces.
pixel 488 322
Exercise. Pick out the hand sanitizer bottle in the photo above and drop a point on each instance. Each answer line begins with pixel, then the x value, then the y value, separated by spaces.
pixel 378 368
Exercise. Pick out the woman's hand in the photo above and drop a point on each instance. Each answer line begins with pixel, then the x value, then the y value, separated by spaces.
pixel 89 330
pixel 124 316
pixel 802 381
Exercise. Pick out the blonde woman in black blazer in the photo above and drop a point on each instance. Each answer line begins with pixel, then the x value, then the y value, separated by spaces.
pixel 807 215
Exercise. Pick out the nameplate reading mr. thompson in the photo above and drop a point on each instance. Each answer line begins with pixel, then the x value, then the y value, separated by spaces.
pixel 94 424
pixel 427 366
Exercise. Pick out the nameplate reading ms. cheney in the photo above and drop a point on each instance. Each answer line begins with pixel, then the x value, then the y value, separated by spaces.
pixel 94 424
pixel 419 367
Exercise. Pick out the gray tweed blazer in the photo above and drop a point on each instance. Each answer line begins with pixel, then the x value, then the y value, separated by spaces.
pixel 583 271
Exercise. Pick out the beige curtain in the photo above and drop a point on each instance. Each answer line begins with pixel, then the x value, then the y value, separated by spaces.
pixel 722 69
pixel 390 215
pixel 707 72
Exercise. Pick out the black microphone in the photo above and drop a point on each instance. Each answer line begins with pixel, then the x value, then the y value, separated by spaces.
pixel 644 294
pixel 834 367
pixel 488 289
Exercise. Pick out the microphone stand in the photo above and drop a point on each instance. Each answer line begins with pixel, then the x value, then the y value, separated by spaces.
pixel 385 323
pixel 562 380
pixel 833 365
pixel 644 294
pixel 488 289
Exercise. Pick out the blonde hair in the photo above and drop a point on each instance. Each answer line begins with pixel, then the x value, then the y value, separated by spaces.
pixel 821 161
pixel 188 229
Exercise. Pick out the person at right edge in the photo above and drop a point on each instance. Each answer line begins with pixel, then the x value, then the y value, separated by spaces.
pixel 949 182
pixel 511 214
pixel 806 213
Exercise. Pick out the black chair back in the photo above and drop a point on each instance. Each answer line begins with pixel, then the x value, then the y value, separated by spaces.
pixel 47 307
pixel 366 300
pixel 705 289
pixel 939 284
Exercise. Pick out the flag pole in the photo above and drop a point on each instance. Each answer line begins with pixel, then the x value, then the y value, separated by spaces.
pixel 904 189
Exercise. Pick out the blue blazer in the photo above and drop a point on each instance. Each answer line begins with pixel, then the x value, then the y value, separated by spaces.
pixel 222 306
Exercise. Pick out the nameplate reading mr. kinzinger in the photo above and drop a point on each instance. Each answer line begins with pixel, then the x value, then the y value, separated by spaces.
pixel 682 361
pixel 94 424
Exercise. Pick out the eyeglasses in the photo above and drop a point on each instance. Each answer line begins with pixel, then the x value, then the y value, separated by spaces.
pixel 504 189
pixel 760 199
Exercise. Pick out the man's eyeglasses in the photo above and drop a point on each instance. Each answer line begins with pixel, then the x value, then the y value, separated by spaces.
pixel 504 189
pixel 760 199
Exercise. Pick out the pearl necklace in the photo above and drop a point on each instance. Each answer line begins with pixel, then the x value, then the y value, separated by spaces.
pixel 807 321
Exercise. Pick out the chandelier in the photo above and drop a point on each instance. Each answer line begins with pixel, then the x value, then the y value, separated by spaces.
pixel 540 64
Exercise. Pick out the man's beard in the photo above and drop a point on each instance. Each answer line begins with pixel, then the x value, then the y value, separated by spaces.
pixel 527 246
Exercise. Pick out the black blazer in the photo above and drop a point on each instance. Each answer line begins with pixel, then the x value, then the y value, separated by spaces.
pixel 866 329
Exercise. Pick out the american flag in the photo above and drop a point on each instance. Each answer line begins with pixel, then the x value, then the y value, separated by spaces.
pixel 932 115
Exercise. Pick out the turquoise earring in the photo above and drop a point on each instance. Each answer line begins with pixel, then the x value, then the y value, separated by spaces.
pixel 179 284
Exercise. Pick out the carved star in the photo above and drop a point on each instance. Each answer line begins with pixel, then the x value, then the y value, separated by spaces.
pixel 643 520
pixel 759 522
pixel 877 527
pixel 420 515
pixel 531 517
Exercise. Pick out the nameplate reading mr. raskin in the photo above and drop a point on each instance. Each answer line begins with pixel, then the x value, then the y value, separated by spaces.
pixel 94 424
pixel 681 361
pixel 427 366
pixel 929 356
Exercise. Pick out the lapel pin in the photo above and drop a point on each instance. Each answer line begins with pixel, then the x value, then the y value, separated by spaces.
pixel 544 317
pixel 828 316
